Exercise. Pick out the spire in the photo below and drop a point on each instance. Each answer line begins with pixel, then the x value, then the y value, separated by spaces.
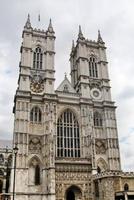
pixel 50 28
pixel 99 37
pixel 80 35
pixel 28 23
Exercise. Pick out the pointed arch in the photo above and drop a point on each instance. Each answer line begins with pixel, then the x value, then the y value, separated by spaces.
pixel 126 187
pixel 37 58
pixel 34 171
pixel 33 160
pixel 73 192
pixel 68 136
pixel 36 115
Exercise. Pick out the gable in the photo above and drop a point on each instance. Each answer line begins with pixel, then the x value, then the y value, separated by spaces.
pixel 66 86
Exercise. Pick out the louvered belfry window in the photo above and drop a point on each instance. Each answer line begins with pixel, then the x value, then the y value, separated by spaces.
pixel 93 70
pixel 37 58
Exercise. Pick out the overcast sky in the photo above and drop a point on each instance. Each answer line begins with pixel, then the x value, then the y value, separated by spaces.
pixel 115 19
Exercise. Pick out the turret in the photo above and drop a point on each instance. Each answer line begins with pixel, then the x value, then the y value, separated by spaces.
pixel 28 23
pixel 37 59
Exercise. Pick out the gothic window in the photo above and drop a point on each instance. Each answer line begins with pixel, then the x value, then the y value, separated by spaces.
pixel 37 175
pixel 35 115
pixel 93 71
pixel 37 58
pixel 126 187
pixel 97 119
pixel 68 136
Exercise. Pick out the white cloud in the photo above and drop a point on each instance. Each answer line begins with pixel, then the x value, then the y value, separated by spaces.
pixel 113 17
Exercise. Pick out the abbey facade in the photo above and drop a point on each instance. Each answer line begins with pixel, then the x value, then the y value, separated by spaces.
pixel 67 138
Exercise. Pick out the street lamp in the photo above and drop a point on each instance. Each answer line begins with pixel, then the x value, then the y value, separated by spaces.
pixel 7 171
pixel 15 151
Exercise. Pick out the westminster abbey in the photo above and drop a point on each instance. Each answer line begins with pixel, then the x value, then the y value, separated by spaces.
pixel 67 138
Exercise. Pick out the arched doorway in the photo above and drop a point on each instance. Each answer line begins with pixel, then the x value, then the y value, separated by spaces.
pixel 70 195
pixel 73 193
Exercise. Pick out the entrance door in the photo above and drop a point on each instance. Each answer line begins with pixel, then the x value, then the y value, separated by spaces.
pixel 70 195
pixel 73 193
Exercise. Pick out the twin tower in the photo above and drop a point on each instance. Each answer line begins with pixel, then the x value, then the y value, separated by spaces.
pixel 67 135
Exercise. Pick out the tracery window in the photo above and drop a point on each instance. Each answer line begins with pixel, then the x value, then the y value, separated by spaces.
pixel 35 115
pixel 68 136
pixel 37 58
pixel 97 119
pixel 93 71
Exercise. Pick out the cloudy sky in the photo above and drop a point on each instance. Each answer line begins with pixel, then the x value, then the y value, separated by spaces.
pixel 115 20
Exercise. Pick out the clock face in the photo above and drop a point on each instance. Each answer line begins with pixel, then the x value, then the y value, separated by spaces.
pixel 37 85
pixel 96 93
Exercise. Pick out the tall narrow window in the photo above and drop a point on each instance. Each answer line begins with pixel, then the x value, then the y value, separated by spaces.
pixel 93 71
pixel 37 175
pixel 35 115
pixel 1 186
pixel 68 137
pixel 37 58
pixel 97 119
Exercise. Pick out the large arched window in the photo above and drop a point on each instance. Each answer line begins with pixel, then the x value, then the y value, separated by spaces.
pixel 97 119
pixel 35 115
pixel 37 58
pixel 68 137
pixel 93 71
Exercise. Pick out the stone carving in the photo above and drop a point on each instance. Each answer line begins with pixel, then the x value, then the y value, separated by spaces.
pixel 72 176
pixel 95 84
pixel 35 145
pixel 100 147
pixel 73 168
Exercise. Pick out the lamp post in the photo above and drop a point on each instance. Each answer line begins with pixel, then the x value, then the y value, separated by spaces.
pixel 6 164
pixel 15 151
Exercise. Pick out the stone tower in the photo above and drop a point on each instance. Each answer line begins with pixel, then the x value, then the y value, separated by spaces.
pixel 67 135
